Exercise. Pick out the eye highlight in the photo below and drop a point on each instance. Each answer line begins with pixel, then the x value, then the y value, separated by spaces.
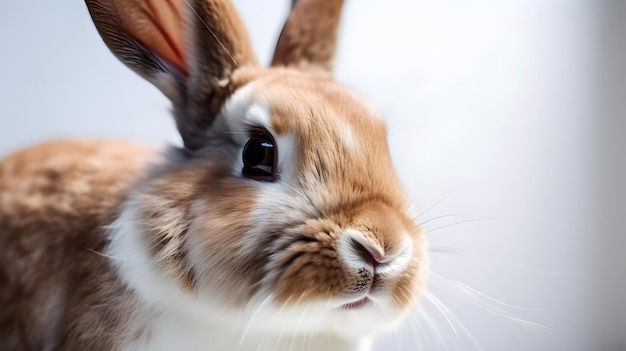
pixel 259 157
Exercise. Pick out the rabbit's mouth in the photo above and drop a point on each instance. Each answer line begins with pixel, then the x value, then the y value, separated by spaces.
pixel 356 304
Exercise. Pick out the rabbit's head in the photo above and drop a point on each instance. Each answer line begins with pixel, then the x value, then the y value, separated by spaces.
pixel 283 207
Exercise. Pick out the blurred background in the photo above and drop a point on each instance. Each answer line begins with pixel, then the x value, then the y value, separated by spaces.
pixel 506 123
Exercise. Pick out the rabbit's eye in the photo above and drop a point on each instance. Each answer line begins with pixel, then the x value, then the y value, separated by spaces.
pixel 259 156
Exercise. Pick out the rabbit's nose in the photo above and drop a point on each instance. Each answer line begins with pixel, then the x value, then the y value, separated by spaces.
pixel 369 252
pixel 360 250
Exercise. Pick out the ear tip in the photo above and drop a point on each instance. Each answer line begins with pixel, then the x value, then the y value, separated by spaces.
pixel 309 36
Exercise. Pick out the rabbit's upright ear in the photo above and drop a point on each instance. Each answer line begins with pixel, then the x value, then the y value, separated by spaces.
pixel 187 48
pixel 309 36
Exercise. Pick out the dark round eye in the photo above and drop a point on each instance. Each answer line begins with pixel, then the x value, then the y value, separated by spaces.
pixel 259 155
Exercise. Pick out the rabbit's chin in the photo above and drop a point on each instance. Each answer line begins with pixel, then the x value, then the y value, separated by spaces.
pixel 361 317
pixel 345 318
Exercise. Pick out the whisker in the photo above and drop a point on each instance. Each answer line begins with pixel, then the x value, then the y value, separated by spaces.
pixel 314 332
pixel 212 33
pixel 438 217
pixel 295 334
pixel 489 308
pixel 509 265
pixel 469 291
pixel 105 255
pixel 415 328
pixel 403 130
pixel 310 335
pixel 431 298
pixel 443 249
pixel 511 318
pixel 459 322
pixel 430 322
pixel 282 330
pixel 396 337
pixel 433 205
pixel 254 314
pixel 280 310
pixel 457 223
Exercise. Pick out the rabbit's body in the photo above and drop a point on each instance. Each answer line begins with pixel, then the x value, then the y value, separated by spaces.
pixel 58 290
pixel 279 225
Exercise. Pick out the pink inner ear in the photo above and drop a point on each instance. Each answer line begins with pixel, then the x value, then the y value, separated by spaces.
pixel 159 25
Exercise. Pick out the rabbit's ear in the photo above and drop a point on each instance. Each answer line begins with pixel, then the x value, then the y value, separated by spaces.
pixel 309 36
pixel 187 48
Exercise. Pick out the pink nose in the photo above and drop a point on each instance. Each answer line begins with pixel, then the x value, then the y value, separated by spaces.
pixel 360 250
pixel 369 253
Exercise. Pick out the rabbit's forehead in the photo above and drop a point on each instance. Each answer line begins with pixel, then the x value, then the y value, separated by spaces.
pixel 308 107
pixel 320 128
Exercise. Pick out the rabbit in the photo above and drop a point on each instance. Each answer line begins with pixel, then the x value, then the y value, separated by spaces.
pixel 279 224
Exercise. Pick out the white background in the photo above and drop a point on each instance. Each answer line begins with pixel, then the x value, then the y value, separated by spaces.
pixel 502 113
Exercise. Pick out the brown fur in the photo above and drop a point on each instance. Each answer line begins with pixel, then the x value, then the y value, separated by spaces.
pixel 57 289
pixel 199 210
pixel 353 186
pixel 196 218
pixel 309 37
pixel 157 24
pixel 187 48
pixel 316 271
pixel 316 110
pixel 194 215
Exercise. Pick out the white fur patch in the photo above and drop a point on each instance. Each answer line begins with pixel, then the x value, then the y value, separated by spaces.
pixel 400 261
pixel 179 320
pixel 243 110
pixel 348 138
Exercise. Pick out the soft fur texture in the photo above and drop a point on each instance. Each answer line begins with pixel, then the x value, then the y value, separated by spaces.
pixel 107 245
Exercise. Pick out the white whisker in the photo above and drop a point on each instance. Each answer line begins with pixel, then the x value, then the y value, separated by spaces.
pixel 493 309
pixel 273 321
pixel 105 255
pixel 452 315
pixel 433 206
pixel 430 322
pixel 408 129
pixel 252 316
pixel 415 328
pixel 431 298
pixel 295 334
pixel 473 292
pixel 457 223
pixel 436 218
pixel 443 249
pixel 212 33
